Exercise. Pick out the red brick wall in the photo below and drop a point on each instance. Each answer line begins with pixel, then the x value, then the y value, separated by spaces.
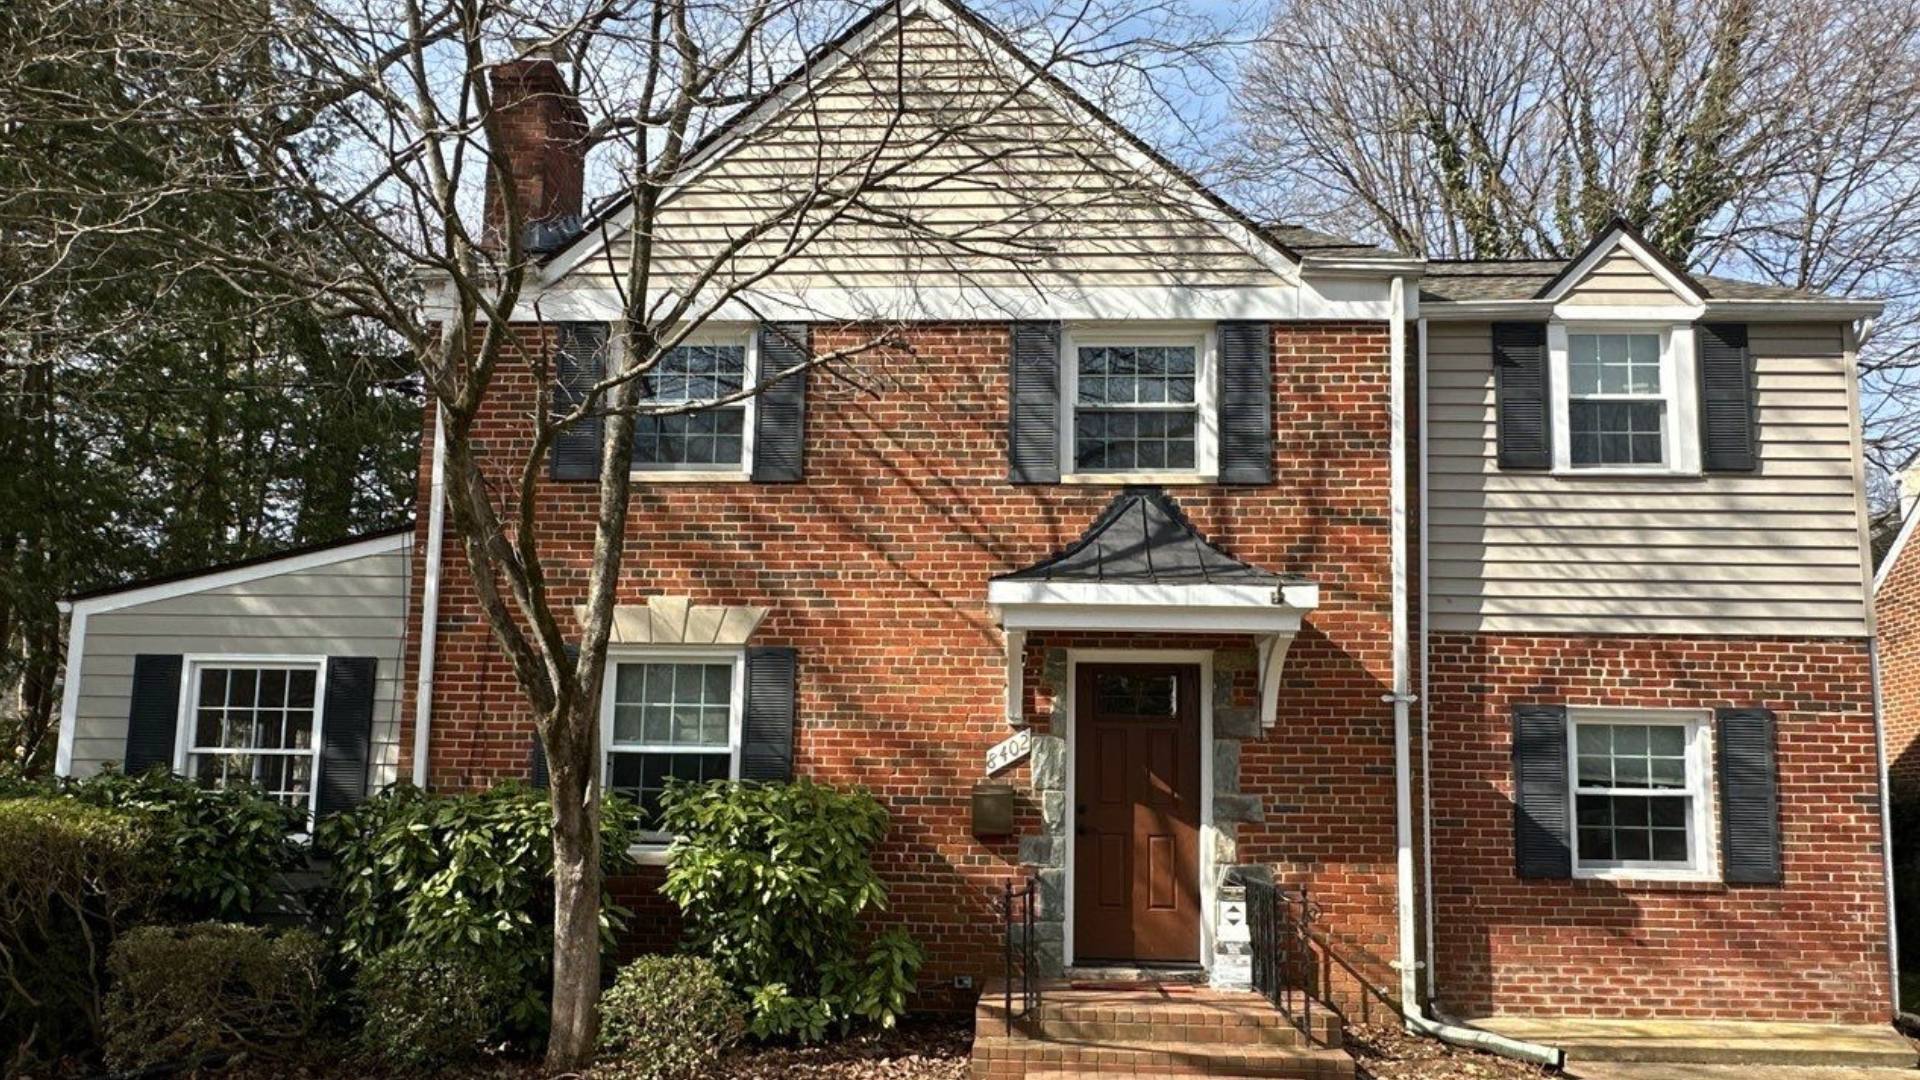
pixel 876 567
pixel 1811 949
pixel 1897 621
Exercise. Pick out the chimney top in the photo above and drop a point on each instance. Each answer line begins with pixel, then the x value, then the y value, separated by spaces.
pixel 542 145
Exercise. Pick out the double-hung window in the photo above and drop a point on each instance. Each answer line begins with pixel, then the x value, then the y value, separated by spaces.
pixel 1142 404
pixel 256 722
pixel 711 439
pixel 671 716
pixel 1623 399
pixel 1640 792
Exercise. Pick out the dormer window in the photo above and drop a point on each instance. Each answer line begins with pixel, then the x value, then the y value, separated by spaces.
pixel 1616 411
pixel 1622 398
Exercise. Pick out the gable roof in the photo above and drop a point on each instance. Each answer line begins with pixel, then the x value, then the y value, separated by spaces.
pixel 1619 234
pixel 1143 538
pixel 1899 547
pixel 1274 246
pixel 218 575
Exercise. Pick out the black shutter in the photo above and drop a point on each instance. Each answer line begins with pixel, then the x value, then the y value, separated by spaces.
pixel 767 745
pixel 346 732
pixel 1749 797
pixel 1542 846
pixel 780 414
pixel 1246 403
pixel 1520 397
pixel 153 716
pixel 1033 406
pixel 578 363
pixel 1726 397
pixel 537 764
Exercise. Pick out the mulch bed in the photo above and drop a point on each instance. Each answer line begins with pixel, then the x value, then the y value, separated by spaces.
pixel 1385 1052
pixel 922 1048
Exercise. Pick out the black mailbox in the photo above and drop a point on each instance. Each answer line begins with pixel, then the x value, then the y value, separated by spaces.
pixel 992 810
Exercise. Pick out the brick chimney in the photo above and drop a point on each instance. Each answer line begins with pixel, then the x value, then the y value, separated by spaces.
pixel 543 145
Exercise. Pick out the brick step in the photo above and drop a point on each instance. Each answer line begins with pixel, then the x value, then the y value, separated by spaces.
pixel 997 1057
pixel 1202 1016
pixel 1172 1030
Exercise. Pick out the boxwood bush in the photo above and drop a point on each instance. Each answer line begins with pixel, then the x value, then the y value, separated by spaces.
pixel 773 881
pixel 464 875
pixel 425 1010
pixel 186 993
pixel 666 1018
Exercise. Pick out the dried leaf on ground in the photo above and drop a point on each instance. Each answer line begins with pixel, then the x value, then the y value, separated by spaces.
pixel 1385 1052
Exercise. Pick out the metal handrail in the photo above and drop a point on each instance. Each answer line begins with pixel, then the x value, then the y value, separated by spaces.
pixel 1026 896
pixel 1293 963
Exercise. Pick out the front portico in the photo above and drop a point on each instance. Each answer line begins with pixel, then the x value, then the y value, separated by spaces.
pixel 1162 656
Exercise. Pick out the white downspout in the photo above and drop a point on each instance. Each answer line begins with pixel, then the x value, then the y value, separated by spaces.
pixel 430 600
pixel 1402 698
pixel 1886 822
pixel 1426 673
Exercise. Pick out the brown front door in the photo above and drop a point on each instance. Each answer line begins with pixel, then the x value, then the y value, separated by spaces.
pixel 1136 882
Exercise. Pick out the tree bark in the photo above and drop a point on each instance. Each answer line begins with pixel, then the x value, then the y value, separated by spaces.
pixel 576 895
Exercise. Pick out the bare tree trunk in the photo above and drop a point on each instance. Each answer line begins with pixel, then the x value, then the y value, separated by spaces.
pixel 576 904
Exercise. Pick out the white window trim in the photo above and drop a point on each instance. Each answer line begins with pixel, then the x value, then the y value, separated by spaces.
pixel 185 720
pixel 1680 435
pixel 1206 437
pixel 714 335
pixel 1703 839
pixel 650 852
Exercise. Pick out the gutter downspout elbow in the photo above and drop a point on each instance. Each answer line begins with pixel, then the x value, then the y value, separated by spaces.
pixel 1403 698
pixel 430 601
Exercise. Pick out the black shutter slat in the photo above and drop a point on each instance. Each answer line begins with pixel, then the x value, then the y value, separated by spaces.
pixel 537 764
pixel 153 716
pixel 1520 394
pixel 1726 397
pixel 1542 833
pixel 767 742
pixel 1749 796
pixel 1033 406
pixel 780 413
pixel 346 732
pixel 1246 403
pixel 578 363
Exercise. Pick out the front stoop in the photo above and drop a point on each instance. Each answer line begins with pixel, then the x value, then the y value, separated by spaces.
pixel 1150 1030
pixel 1711 1042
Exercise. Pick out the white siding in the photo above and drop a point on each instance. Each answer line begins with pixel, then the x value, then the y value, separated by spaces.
pixel 353 608
pixel 1774 551
pixel 993 186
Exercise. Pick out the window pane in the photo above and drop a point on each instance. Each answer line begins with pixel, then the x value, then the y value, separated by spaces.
pixel 241 687
pixel 708 438
pixel 626 723
pixel 300 688
pixel 213 686
pixel 1670 845
pixel 1615 432
pixel 273 688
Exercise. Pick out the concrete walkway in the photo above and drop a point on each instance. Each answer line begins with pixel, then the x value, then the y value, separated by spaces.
pixel 1615 1070
pixel 1589 1042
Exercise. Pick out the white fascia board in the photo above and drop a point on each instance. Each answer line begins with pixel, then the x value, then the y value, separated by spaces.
pixel 1777 310
pixel 1653 264
pixel 1736 310
pixel 1049 605
pixel 1087 592
pixel 1200 620
pixel 1894 552
pixel 70 691
pixel 1622 313
pixel 215 579
pixel 1343 300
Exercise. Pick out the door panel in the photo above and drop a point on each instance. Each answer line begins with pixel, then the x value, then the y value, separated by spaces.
pixel 1137 813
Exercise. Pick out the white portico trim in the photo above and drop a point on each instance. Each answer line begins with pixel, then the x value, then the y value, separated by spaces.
pixel 1142 567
